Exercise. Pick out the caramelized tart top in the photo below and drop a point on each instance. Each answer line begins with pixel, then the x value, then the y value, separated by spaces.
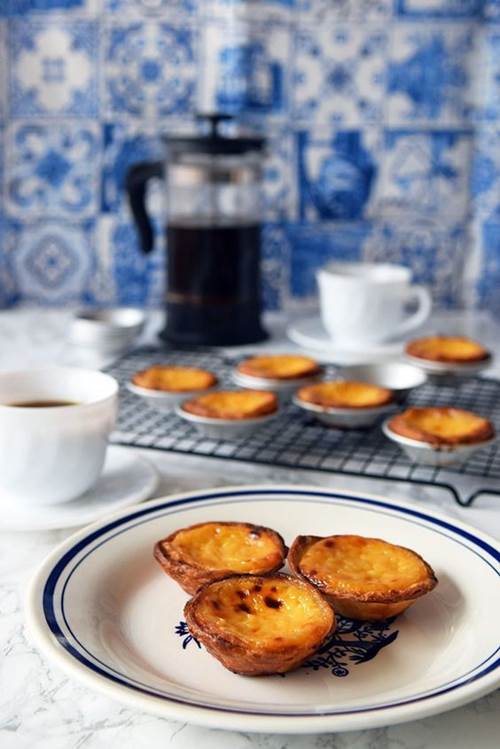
pixel 345 394
pixel 174 379
pixel 452 349
pixel 442 425
pixel 279 366
pixel 233 404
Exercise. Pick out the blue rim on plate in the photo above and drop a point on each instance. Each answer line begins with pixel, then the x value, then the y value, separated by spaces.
pixel 66 564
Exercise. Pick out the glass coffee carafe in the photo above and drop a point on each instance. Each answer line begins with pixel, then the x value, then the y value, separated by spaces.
pixel 213 195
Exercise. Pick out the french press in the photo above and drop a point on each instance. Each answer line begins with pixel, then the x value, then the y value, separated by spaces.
pixel 212 180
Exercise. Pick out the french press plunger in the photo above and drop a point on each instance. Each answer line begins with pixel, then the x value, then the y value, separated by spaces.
pixel 213 234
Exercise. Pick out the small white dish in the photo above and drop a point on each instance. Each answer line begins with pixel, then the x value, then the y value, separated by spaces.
pixel 448 370
pixel 282 388
pixel 101 609
pixel 345 418
pixel 398 376
pixel 427 454
pixel 113 329
pixel 225 429
pixel 164 400
pixel 126 478
pixel 311 334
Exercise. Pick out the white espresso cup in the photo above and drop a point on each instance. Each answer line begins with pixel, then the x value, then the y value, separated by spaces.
pixel 52 454
pixel 369 302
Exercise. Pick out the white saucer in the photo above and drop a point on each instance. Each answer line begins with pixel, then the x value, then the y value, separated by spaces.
pixel 310 334
pixel 127 478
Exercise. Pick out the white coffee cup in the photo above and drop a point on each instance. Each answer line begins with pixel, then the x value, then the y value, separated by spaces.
pixel 53 454
pixel 368 302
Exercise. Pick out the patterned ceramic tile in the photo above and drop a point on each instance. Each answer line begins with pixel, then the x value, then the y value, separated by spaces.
pixel 124 275
pixel 276 256
pixel 124 145
pixel 150 69
pixel 489 281
pixel 244 67
pixel 3 71
pixel 491 10
pixel 343 10
pixel 51 261
pixel 53 171
pixel 22 7
pixel 435 252
pixel 314 245
pixel 280 176
pixel 152 7
pixel 428 9
pixel 339 74
pixel 425 172
pixel 337 171
pixel 429 72
pixel 488 76
pixel 53 68
pixel 485 181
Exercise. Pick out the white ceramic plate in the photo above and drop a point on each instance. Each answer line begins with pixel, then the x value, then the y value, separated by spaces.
pixel 101 608
pixel 127 478
pixel 310 334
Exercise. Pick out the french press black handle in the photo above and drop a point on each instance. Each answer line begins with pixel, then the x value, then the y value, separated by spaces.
pixel 136 182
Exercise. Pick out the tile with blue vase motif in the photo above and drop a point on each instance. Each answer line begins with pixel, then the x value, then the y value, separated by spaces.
pixel 485 181
pixel 52 171
pixel 125 144
pixel 53 68
pixel 337 172
pixel 436 252
pixel 430 73
pixel 424 171
pixel 445 9
pixel 51 262
pixel 314 245
pixel 150 68
pixel 338 74
pixel 244 67
pixel 314 11
pixel 488 285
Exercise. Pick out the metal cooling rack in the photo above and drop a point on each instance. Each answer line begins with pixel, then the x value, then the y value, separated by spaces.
pixel 295 440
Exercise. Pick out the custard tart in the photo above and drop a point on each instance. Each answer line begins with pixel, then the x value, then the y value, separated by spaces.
pixel 442 425
pixel 206 552
pixel 233 404
pixel 260 625
pixel 279 367
pixel 448 349
pixel 174 379
pixel 345 394
pixel 363 578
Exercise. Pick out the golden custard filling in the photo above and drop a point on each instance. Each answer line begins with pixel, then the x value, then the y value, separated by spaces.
pixel 345 394
pixel 220 547
pixel 354 565
pixel 174 379
pixel 447 348
pixel 233 404
pixel 265 612
pixel 442 425
pixel 279 366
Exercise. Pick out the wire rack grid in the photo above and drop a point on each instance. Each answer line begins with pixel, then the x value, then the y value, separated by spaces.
pixel 295 440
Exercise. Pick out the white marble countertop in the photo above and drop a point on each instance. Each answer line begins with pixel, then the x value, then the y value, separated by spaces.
pixel 41 708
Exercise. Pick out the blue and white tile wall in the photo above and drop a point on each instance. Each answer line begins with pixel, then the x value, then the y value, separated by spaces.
pixel 383 118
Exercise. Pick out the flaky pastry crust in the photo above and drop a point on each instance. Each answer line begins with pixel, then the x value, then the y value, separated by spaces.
pixel 233 404
pixel 174 379
pixel 448 349
pixel 345 394
pixel 363 578
pixel 256 625
pixel 279 367
pixel 442 425
pixel 206 552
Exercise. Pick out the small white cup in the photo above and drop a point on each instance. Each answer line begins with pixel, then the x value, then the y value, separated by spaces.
pixel 53 454
pixel 368 302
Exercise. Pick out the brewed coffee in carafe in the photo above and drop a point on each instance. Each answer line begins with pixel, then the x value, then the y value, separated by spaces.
pixel 213 294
